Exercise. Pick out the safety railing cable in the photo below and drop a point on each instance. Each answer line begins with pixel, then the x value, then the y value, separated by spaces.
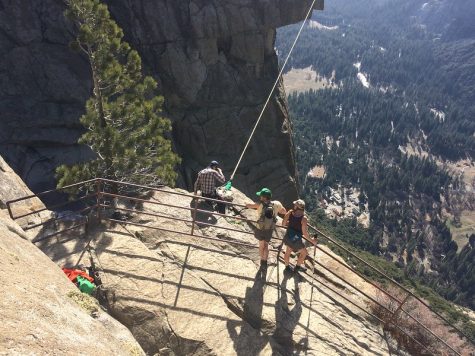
pixel 391 280
pixel 101 201
pixel 310 10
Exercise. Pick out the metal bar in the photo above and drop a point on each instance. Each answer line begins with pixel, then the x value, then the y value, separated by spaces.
pixel 343 264
pixel 352 285
pixel 145 201
pixel 98 199
pixel 186 234
pixel 174 193
pixel 180 207
pixel 212 213
pixel 311 291
pixel 359 274
pixel 86 248
pixel 225 228
pixel 345 298
pixel 184 208
pixel 183 220
pixel 430 331
pixel 195 201
pixel 358 258
pixel 413 338
pixel 58 232
pixel 149 214
pixel 164 204
pixel 55 206
pixel 57 219
pixel 98 194
pixel 365 310
pixel 443 319
pixel 395 313
pixel 51 191
pixel 183 268
pixel 394 282
pixel 9 210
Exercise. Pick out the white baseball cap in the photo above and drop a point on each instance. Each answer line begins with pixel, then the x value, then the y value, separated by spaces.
pixel 300 204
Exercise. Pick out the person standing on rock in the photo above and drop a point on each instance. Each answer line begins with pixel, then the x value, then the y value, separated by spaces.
pixel 267 212
pixel 208 180
pixel 296 223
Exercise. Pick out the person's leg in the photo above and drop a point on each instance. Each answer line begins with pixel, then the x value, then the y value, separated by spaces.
pixel 221 208
pixel 209 202
pixel 288 251
pixel 302 255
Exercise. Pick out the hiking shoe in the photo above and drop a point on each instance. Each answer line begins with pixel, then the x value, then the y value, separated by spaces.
pixel 263 263
pixel 288 269
pixel 301 269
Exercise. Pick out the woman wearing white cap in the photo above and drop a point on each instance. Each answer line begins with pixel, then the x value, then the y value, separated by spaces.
pixel 296 222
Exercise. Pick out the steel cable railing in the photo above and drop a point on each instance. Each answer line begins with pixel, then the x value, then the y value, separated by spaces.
pixel 94 191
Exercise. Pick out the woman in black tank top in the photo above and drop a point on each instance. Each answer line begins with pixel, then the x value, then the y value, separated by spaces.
pixel 296 222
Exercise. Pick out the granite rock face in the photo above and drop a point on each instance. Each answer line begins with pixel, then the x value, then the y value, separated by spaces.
pixel 215 62
pixel 184 295
pixel 43 313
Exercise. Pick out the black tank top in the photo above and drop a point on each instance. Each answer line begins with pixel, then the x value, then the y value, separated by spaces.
pixel 295 222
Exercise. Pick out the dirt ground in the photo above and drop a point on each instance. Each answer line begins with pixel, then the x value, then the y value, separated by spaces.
pixel 305 79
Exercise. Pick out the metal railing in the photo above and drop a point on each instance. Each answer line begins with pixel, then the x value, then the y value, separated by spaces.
pixel 97 201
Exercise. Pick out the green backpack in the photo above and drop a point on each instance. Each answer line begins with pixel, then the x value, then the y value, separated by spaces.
pixel 85 286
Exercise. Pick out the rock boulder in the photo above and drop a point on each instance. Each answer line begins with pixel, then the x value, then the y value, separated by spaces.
pixel 43 313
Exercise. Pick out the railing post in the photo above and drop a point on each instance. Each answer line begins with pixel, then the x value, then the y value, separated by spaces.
pixel 86 227
pixel 399 308
pixel 98 199
pixel 10 211
pixel 195 208
pixel 314 251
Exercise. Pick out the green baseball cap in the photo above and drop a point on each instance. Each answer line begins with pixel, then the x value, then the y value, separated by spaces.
pixel 264 192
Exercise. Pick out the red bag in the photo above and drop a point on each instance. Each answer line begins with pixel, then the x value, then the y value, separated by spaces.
pixel 72 274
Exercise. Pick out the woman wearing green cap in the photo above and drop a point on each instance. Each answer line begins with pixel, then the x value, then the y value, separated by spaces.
pixel 296 222
pixel 267 211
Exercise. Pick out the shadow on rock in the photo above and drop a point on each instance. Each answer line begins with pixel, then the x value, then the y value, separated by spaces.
pixel 203 217
pixel 287 320
pixel 249 340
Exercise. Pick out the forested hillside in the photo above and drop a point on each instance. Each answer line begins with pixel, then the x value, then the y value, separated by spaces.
pixel 395 126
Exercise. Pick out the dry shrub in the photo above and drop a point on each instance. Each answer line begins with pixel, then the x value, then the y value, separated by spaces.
pixel 86 302
pixel 428 344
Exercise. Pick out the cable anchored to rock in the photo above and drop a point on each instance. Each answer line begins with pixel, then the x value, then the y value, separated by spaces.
pixel 229 184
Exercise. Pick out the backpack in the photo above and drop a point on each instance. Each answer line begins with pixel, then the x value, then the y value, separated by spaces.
pixel 267 219
pixel 85 285
pixel 224 194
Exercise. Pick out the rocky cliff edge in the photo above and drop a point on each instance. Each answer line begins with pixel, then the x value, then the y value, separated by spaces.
pixel 43 313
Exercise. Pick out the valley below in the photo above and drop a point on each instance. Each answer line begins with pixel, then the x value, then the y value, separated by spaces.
pixel 386 158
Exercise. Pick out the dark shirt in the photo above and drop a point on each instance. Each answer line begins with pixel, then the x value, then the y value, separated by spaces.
pixel 295 222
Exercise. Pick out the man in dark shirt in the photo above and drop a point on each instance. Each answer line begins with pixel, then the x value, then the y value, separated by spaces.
pixel 208 180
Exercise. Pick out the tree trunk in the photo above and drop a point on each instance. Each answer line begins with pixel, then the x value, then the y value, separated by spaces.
pixel 107 154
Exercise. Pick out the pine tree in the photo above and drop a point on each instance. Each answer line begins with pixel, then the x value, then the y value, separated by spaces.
pixel 124 122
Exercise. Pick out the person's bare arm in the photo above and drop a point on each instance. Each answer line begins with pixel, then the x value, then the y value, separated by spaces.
pixel 252 206
pixel 285 222
pixel 282 211
pixel 220 176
